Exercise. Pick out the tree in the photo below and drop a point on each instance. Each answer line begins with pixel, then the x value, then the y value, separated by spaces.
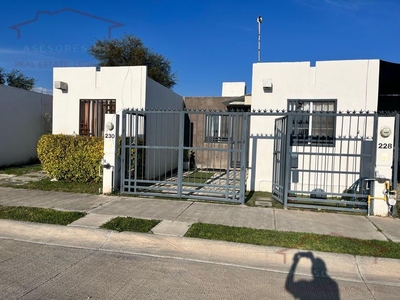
pixel 2 76
pixel 130 51
pixel 16 79
pixel 19 80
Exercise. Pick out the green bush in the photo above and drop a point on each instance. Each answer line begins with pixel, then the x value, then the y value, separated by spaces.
pixel 73 158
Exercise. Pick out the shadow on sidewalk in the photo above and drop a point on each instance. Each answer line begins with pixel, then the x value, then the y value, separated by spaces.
pixel 320 287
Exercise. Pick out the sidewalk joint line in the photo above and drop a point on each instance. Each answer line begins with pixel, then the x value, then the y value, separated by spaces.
pixel 107 239
pixel 184 210
pixel 379 230
pixel 362 278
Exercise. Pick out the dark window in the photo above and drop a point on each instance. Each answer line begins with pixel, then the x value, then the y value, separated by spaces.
pixel 314 122
pixel 216 128
pixel 91 116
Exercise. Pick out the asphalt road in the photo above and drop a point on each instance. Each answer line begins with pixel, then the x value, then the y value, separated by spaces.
pixel 39 271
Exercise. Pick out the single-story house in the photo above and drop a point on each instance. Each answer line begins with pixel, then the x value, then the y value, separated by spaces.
pixel 355 85
pixel 83 96
pixel 210 131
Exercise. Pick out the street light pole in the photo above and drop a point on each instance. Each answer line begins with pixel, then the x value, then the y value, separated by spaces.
pixel 259 21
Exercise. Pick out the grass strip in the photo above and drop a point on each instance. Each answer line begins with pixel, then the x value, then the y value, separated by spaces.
pixel 296 240
pixel 197 177
pixel 130 224
pixel 18 171
pixel 61 186
pixel 39 215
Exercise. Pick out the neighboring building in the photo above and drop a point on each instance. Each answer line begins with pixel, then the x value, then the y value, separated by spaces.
pixel 233 89
pixel 329 86
pixel 24 117
pixel 211 130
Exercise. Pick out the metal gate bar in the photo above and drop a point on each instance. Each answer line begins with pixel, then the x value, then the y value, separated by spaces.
pixel 155 143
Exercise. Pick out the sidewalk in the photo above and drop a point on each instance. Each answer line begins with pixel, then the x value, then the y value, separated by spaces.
pixel 177 216
pixel 167 241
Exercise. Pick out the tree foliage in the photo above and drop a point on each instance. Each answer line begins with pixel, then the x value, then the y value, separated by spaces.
pixel 17 79
pixel 2 76
pixel 130 51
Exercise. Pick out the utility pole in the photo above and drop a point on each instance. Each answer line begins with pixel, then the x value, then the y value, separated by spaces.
pixel 259 21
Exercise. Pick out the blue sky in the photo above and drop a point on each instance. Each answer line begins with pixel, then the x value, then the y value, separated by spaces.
pixel 207 42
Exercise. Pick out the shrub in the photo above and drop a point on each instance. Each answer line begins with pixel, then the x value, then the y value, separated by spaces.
pixel 73 158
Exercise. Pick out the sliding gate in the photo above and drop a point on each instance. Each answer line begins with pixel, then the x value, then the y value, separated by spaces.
pixel 184 154
pixel 323 160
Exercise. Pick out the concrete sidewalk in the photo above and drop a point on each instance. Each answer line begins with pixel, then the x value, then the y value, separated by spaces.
pixel 177 216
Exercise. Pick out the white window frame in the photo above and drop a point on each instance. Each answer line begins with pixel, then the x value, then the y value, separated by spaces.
pixel 308 106
pixel 214 128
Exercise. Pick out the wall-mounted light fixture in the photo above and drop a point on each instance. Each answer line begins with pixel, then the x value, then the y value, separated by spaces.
pixel 61 85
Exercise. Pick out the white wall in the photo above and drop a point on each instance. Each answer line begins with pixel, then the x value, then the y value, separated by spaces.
pixel 127 85
pixel 353 83
pixel 161 130
pixel 233 89
pixel 22 122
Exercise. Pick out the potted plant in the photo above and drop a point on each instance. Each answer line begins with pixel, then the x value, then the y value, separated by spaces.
pixel 188 159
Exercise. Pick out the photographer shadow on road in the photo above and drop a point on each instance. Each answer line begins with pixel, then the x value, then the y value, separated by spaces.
pixel 320 287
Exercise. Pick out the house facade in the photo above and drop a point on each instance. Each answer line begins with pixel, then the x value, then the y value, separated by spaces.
pixel 329 86
pixel 83 95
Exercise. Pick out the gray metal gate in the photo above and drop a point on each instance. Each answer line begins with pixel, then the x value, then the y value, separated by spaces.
pixel 322 159
pixel 184 154
pixel 280 149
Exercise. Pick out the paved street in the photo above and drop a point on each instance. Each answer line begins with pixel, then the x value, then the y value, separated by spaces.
pixel 39 261
pixel 39 271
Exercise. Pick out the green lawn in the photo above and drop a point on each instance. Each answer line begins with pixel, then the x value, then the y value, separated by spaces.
pixel 21 170
pixel 197 177
pixel 130 224
pixel 39 215
pixel 296 240
pixel 62 186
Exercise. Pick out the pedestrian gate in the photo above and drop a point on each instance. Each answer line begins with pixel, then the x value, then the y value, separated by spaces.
pixel 184 154
pixel 323 160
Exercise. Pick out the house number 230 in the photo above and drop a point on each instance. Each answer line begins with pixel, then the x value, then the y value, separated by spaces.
pixel 109 135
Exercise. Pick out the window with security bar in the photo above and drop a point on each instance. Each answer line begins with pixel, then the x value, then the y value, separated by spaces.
pixel 92 114
pixel 216 128
pixel 315 124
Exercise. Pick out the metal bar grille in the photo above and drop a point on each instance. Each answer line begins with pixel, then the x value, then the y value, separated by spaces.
pixel 175 156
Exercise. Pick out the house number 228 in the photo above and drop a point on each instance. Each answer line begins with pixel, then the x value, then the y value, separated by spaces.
pixel 385 146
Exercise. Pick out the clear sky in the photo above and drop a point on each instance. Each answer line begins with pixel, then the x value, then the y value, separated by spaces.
pixel 207 42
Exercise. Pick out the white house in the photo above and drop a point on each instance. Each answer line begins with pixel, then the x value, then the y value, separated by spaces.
pixel 24 117
pixel 372 85
pixel 82 96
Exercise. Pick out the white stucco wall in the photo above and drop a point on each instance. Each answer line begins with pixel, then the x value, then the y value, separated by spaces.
pixel 22 121
pixel 162 128
pixel 353 83
pixel 233 89
pixel 127 85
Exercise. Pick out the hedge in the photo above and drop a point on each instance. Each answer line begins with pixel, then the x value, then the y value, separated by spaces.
pixel 72 158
